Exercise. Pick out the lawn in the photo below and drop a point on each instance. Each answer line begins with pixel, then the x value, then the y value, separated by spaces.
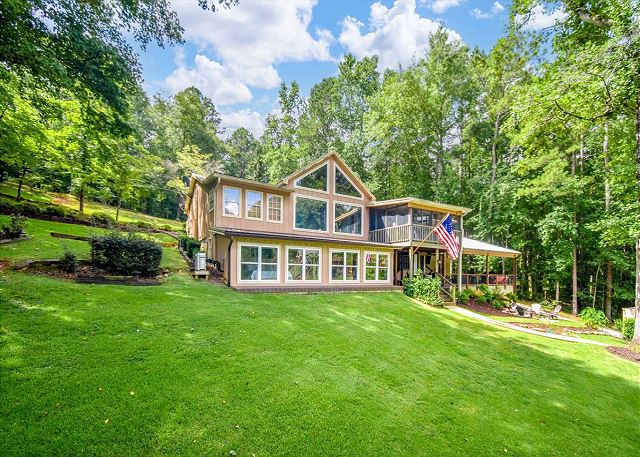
pixel 197 369
pixel 69 201
pixel 41 245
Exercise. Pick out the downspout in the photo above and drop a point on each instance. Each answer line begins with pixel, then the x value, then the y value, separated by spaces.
pixel 229 260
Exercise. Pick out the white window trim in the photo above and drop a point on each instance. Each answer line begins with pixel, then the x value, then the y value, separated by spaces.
pixel 377 267
pixel 295 181
pixel 295 201
pixel 359 266
pixel 259 280
pixel 304 263
pixel 336 167
pixel 224 210
pixel 281 209
pixel 356 235
pixel 246 200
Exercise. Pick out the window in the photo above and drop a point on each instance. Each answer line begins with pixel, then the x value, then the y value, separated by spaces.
pixel 315 180
pixel 347 218
pixel 303 264
pixel 232 202
pixel 310 214
pixel 344 265
pixel 344 186
pixel 274 208
pixel 254 204
pixel 258 263
pixel 376 267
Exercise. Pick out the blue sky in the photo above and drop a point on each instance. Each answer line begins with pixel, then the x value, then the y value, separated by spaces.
pixel 239 57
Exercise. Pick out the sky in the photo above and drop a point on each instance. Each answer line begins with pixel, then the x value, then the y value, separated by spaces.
pixel 238 57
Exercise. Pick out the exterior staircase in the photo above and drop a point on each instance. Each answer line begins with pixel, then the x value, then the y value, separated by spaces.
pixel 447 290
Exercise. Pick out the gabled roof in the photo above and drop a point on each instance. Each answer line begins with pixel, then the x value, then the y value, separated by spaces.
pixel 341 163
pixel 421 203
pixel 475 247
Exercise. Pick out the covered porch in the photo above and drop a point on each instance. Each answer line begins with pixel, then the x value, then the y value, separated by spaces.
pixel 482 263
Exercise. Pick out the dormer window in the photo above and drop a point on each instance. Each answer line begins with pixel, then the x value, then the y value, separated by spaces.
pixel 315 180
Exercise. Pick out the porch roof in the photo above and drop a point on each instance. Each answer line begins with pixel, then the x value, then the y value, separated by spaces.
pixel 475 247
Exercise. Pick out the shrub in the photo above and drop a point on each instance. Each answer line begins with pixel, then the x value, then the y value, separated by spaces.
pixel 626 327
pixel 166 227
pixel 143 224
pixel 593 317
pixel 426 289
pixel 126 255
pixel 466 295
pixel 512 297
pixel 68 262
pixel 491 297
pixel 189 245
pixel 15 229
pixel 100 217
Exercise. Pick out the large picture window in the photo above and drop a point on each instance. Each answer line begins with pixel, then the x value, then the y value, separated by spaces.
pixel 254 204
pixel 344 265
pixel 231 201
pixel 315 180
pixel 344 186
pixel 303 264
pixel 274 208
pixel 376 267
pixel 258 263
pixel 310 214
pixel 347 218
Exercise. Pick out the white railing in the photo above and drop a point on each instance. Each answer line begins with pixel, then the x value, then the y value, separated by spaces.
pixel 403 233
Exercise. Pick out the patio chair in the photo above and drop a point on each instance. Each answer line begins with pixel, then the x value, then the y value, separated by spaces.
pixel 536 309
pixel 513 308
pixel 522 311
pixel 553 314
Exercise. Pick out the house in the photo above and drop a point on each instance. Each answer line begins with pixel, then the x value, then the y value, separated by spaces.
pixel 321 228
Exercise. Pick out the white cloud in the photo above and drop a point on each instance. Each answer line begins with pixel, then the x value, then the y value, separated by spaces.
pixel 397 34
pixel 539 18
pixel 497 8
pixel 213 79
pixel 479 14
pixel 440 6
pixel 251 37
pixel 249 119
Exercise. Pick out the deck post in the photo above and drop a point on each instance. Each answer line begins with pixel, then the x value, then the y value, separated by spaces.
pixel 486 272
pixel 515 275
pixel 411 262
pixel 460 254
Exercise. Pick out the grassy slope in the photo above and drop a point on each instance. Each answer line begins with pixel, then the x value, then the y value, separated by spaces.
pixel 71 202
pixel 212 371
pixel 41 245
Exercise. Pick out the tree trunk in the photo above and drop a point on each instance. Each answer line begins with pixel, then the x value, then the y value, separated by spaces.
pixel 23 173
pixel 636 332
pixel 607 204
pixel 494 164
pixel 557 290
pixel 81 198
pixel 118 209
pixel 178 210
pixel 574 254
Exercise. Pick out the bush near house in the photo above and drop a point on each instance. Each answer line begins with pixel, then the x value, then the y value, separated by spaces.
pixel 626 327
pixel 423 288
pixel 492 297
pixel 68 262
pixel 126 255
pixel 15 228
pixel 189 245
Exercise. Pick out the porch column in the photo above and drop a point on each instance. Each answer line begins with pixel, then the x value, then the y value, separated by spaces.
pixel 460 255
pixel 486 264
pixel 515 275
pixel 411 262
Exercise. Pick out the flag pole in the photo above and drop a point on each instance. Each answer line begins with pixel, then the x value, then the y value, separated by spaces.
pixel 429 234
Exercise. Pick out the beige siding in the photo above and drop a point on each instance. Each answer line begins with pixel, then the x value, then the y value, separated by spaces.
pixel 198 221
pixel 325 262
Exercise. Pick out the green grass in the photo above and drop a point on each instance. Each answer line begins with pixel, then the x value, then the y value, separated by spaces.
pixel 195 369
pixel 71 202
pixel 41 245
pixel 529 320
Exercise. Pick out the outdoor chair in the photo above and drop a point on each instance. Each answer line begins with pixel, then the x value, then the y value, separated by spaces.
pixel 522 311
pixel 536 309
pixel 553 314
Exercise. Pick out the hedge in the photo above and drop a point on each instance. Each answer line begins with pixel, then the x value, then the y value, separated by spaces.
pixel 126 255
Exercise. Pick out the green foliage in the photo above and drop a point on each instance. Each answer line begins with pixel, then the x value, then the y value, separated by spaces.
pixel 594 317
pixel 423 288
pixel 491 296
pixel 626 327
pixel 68 262
pixel 126 255
pixel 15 228
pixel 468 294
pixel 102 218
pixel 189 245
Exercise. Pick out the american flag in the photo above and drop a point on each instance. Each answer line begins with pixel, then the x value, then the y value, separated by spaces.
pixel 448 238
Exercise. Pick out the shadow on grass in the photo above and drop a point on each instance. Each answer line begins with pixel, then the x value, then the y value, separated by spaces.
pixel 212 371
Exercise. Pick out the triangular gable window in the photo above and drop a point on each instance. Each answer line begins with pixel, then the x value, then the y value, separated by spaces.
pixel 316 180
pixel 344 186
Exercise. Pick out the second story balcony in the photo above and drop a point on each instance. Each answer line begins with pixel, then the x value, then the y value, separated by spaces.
pixel 403 223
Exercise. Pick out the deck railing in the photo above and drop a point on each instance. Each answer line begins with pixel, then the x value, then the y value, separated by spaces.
pixel 469 279
pixel 403 233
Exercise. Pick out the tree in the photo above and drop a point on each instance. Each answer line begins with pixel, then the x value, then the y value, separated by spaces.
pixel 243 156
